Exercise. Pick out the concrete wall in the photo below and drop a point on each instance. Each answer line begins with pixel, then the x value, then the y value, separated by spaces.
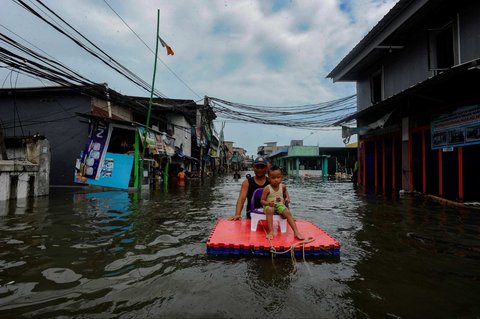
pixel 56 119
pixel 115 109
pixel 310 172
pixel 182 132
pixel 39 153
pixel 26 178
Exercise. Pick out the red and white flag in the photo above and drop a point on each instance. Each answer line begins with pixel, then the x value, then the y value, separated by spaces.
pixel 165 45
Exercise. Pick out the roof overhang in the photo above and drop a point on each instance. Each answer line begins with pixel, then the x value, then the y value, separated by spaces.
pixel 380 40
pixel 124 123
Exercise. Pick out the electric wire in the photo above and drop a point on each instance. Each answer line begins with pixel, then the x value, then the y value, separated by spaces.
pixel 146 45
pixel 109 58
pixel 308 116
pixel 93 49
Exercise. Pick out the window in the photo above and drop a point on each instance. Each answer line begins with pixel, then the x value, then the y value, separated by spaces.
pixel 376 81
pixel 442 48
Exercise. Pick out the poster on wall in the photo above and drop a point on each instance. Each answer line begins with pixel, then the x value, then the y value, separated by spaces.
pixel 149 140
pixel 92 157
pixel 459 128
pixel 115 171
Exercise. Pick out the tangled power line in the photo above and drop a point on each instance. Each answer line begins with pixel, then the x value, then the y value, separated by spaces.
pixel 39 65
pixel 310 116
pixel 29 61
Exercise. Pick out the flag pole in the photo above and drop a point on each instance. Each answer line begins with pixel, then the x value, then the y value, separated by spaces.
pixel 150 101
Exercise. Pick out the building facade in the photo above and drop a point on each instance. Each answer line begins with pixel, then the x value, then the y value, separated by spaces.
pixel 299 160
pixel 67 117
pixel 418 102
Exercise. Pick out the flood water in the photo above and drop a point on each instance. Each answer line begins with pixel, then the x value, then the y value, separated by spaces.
pixel 128 255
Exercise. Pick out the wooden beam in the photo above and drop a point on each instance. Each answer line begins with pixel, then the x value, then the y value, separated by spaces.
pixel 3 148
pixel 424 164
pixel 460 174
pixel 440 173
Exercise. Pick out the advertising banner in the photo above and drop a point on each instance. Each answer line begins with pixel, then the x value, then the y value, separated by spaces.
pixel 459 128
pixel 149 140
pixel 88 167
pixel 115 171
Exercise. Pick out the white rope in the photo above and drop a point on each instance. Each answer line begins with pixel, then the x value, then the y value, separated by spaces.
pixel 274 252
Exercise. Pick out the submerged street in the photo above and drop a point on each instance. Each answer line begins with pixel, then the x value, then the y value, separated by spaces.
pixel 79 253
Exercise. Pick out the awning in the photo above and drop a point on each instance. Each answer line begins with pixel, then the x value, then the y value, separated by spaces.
pixel 380 123
pixel 160 141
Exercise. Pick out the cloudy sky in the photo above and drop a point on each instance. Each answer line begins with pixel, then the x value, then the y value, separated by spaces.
pixel 260 52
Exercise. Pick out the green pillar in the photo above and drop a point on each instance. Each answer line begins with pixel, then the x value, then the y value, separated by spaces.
pixel 165 176
pixel 135 160
pixel 297 166
pixel 324 167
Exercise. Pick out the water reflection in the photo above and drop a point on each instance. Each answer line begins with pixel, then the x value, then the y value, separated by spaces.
pixel 120 254
pixel 419 253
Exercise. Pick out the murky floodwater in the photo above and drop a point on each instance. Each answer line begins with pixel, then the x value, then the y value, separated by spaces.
pixel 127 255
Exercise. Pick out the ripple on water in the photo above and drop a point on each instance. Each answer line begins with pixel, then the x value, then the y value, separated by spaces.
pixel 61 275
pixel 149 258
pixel 14 242
pixel 164 239
pixel 11 264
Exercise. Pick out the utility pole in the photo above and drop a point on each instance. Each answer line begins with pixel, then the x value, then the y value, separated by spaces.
pixel 221 150
pixel 202 109
pixel 149 103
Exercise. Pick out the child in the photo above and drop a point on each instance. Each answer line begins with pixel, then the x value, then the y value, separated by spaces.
pixel 273 200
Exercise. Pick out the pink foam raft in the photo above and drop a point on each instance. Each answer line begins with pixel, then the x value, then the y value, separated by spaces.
pixel 234 237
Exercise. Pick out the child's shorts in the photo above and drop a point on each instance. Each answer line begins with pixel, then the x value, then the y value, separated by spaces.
pixel 279 208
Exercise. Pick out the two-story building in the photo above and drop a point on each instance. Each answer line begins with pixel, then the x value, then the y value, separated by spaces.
pixel 418 99
pixel 269 148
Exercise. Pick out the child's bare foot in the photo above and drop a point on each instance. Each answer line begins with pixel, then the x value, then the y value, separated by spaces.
pixel 299 236
pixel 270 236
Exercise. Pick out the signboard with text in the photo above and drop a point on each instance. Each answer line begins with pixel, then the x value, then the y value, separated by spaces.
pixel 459 128
pixel 94 153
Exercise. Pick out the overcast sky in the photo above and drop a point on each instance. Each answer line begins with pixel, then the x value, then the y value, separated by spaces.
pixel 268 52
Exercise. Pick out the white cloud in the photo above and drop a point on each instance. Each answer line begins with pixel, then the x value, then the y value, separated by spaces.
pixel 285 50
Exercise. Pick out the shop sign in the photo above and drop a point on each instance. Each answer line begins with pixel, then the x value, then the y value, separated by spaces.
pixel 89 165
pixel 459 128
